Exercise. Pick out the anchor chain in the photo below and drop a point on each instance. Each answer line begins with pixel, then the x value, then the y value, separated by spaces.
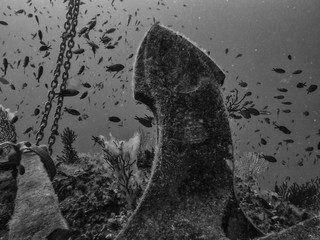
pixel 67 40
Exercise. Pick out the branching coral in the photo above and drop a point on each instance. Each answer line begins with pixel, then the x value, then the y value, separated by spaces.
pixel 121 157
pixel 235 106
pixel 306 195
pixel 69 153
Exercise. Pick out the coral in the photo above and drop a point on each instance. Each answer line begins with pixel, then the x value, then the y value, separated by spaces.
pixel 121 157
pixel 236 107
pixel 306 195
pixel 69 153
pixel 250 165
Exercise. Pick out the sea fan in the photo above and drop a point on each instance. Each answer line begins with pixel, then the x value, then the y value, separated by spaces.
pixel 69 153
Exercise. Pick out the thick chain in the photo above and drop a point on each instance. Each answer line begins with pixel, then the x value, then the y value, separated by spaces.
pixel 69 34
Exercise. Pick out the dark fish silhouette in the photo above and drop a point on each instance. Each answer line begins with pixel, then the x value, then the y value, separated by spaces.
pixel 297 72
pixel 312 88
pixel 286 110
pixel 44 48
pixel 279 97
pixel 301 85
pixel 282 89
pixel 282 129
pixel 4 81
pixel 40 35
pixel 269 158
pixel 288 141
pixel 226 51
pixel 263 141
pixel 253 111
pixel 86 85
pixel 111 30
pixel 100 60
pixel 72 111
pixel 114 119
pixel 84 95
pixel 145 121
pixel 29 129
pixel 278 70
pixel 3 23
pixel 5 66
pixel 36 112
pixel 239 55
pixel 289 57
pixel 309 149
pixel 115 68
pixel 37 19
pixel 68 93
pixel 25 62
pixel 286 103
pixel 243 84
pixel 40 72
pixel 78 51
pixel 81 70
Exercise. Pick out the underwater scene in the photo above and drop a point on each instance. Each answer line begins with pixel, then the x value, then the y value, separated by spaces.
pixel 103 135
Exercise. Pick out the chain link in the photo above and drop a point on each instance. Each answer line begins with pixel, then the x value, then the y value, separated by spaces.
pixel 68 35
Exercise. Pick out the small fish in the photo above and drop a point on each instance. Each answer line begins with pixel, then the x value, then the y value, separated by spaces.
pixel 111 30
pixel 115 68
pixel 297 72
pixel 289 57
pixel 312 88
pixel 269 158
pixel 114 119
pixel 282 129
pixel 278 70
pixel 100 60
pixel 239 55
pixel 286 111
pixel 282 89
pixel 301 85
pixel 78 51
pixel 110 47
pixel 288 141
pixel 40 72
pixel 44 48
pixel 59 234
pixel 40 35
pixel 30 15
pixel 4 81
pixel 309 149
pixel 12 87
pixel 263 141
pixel 29 129
pixel 67 93
pixel 286 103
pixel 5 65
pixel 84 95
pixel 20 11
pixel 81 70
pixel 145 121
pixel 129 19
pixel 37 19
pixel 86 85
pixel 72 111
pixel 82 31
pixel 306 113
pixel 36 112
pixel 253 111
pixel 3 23
pixel 243 84
pixel 93 46
pixel 26 62
pixel 279 97
pixel 226 50
pixel 130 56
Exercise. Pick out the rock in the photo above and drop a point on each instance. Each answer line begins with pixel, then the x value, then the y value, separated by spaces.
pixel 191 182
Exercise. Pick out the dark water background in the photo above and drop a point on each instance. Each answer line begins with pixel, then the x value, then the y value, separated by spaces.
pixel 264 32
